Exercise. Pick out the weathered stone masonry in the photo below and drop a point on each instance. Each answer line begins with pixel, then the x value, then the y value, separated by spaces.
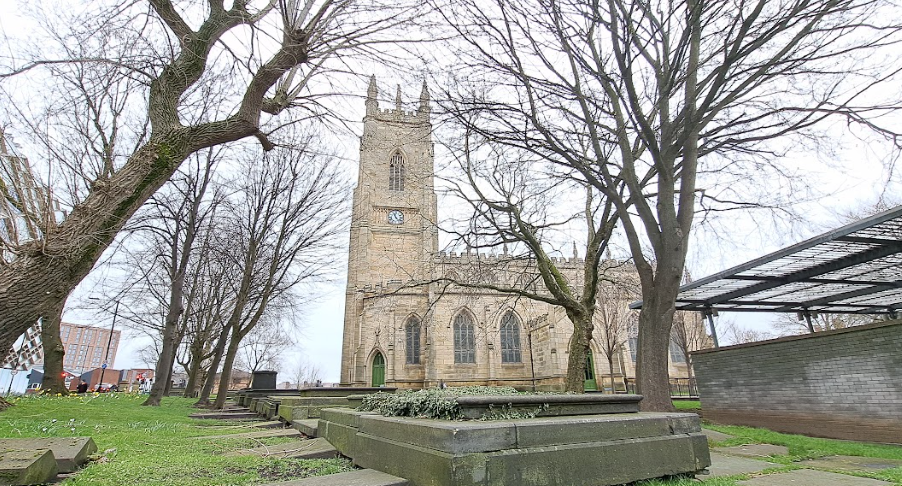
pixel 844 384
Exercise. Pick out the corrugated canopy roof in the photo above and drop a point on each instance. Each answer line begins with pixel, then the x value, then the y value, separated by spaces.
pixel 855 269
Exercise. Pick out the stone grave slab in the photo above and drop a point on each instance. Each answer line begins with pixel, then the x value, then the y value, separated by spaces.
pixel 723 465
pixel 69 452
pixel 225 415
pixel 302 449
pixel 851 463
pixel 754 450
pixel 810 477
pixel 307 427
pixel 715 436
pixel 263 434
pixel 269 424
pixel 361 477
pixel 27 467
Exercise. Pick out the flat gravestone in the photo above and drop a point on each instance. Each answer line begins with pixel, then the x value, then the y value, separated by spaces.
pixel 302 449
pixel 754 450
pixel 70 452
pixel 723 465
pixel 307 427
pixel 263 434
pixel 715 436
pixel 27 467
pixel 270 424
pixel 852 463
pixel 809 477
pixel 360 477
pixel 225 415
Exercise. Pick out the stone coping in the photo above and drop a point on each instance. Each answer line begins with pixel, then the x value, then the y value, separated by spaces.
pixel 462 437
pixel 342 391
pixel 477 406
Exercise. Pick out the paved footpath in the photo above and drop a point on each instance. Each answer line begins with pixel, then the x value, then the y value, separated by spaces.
pixel 751 459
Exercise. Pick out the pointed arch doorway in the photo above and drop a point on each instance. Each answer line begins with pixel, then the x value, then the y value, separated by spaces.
pixel 378 370
pixel 590 384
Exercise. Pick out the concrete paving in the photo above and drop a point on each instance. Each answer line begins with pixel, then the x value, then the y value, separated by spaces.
pixel 361 477
pixel 754 450
pixel 851 463
pixel 809 477
pixel 723 465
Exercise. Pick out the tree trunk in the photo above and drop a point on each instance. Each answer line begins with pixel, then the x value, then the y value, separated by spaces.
pixel 579 348
pixel 47 271
pixel 226 376
pixel 193 373
pixel 54 352
pixel 652 373
pixel 204 399
pixel 163 371
pixel 611 372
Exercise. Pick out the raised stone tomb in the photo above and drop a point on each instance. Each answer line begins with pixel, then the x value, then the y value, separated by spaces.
pixel 576 443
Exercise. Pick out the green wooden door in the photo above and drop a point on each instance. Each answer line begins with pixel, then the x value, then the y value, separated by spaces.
pixel 590 384
pixel 378 370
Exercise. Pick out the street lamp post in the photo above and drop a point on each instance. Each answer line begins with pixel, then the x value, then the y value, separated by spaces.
pixel 108 342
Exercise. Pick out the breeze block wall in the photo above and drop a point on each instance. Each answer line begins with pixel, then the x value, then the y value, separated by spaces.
pixel 843 384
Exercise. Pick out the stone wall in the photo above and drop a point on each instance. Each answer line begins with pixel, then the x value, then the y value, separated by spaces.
pixel 844 384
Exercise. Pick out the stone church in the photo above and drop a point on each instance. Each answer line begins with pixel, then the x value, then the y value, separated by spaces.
pixel 405 326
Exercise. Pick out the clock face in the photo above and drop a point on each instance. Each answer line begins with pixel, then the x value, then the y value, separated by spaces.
pixel 395 217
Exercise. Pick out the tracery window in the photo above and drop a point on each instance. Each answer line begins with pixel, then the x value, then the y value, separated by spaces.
pixel 412 334
pixel 464 339
pixel 510 338
pixel 396 172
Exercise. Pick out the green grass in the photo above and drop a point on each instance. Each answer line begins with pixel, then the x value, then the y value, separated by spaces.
pixel 802 447
pixel 153 445
pixel 688 405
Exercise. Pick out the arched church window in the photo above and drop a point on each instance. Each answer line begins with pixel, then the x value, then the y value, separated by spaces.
pixel 510 338
pixel 396 172
pixel 412 334
pixel 464 339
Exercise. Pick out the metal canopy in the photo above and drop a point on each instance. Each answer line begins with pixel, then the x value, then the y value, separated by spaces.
pixel 856 269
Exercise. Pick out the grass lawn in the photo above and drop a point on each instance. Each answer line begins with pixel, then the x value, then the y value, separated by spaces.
pixel 153 445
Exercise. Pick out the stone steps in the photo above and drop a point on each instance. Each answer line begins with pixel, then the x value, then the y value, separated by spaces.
pixel 263 434
pixel 302 449
pixel 307 427
pixel 360 477
pixel 226 415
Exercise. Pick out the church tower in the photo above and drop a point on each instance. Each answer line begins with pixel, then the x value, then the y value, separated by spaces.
pixel 393 240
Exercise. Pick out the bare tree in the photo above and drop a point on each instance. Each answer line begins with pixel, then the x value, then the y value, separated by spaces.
pixel 791 324
pixel 306 374
pixel 176 222
pixel 668 108
pixel 737 334
pixel 285 219
pixel 615 318
pixel 511 199
pixel 265 58
pixel 262 348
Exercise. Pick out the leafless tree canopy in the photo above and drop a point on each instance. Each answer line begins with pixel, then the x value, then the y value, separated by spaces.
pixel 669 107
pixel 144 77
